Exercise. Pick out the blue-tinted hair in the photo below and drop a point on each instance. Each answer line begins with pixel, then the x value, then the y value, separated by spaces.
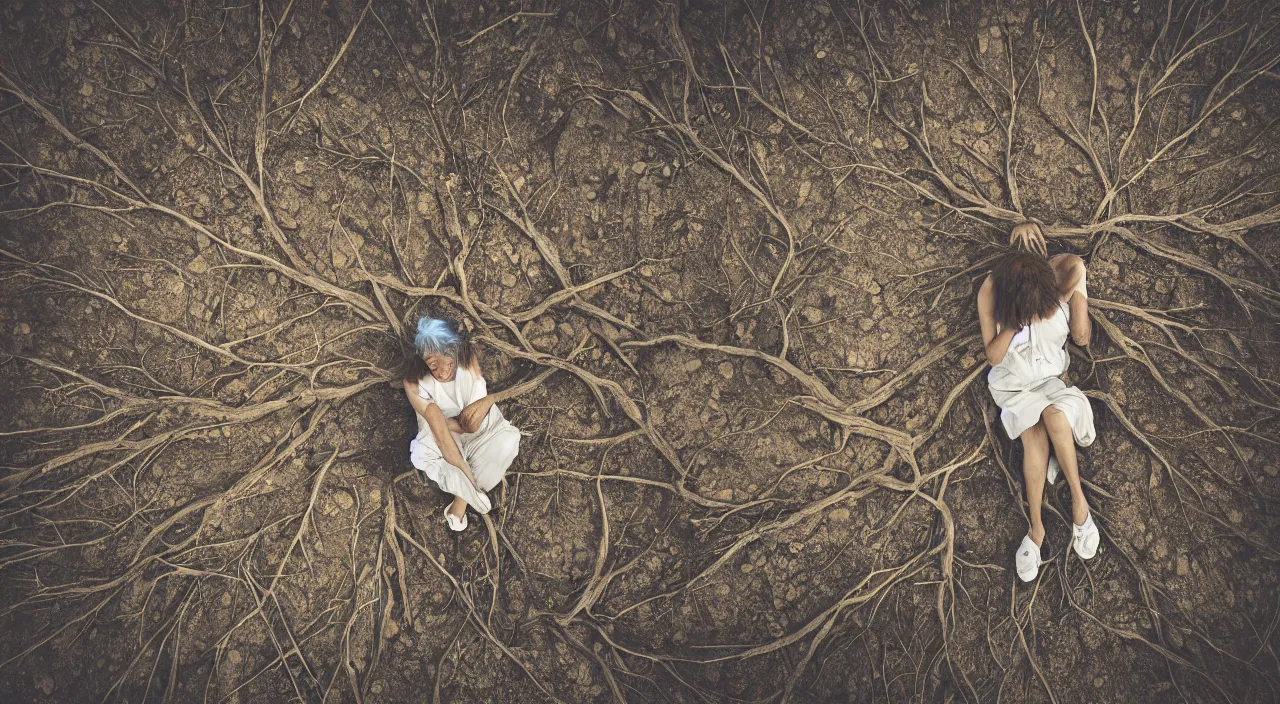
pixel 435 335
pixel 439 336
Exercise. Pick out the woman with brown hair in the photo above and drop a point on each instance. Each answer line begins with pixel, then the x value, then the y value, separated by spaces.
pixel 1027 307
pixel 464 444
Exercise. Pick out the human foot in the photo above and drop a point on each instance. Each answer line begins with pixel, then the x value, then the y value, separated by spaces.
pixel 1027 559
pixel 1085 537
pixel 457 519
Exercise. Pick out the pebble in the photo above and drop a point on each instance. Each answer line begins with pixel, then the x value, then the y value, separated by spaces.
pixel 839 514
pixel 344 500
pixel 198 265
pixel 726 371
pixel 866 324
pixel 639 167
pixel 22 329
pixel 272 278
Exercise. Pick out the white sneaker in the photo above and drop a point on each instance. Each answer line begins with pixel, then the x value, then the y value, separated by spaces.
pixel 1052 474
pixel 1028 559
pixel 455 524
pixel 1085 538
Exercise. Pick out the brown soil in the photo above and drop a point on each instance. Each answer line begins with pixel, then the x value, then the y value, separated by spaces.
pixel 735 247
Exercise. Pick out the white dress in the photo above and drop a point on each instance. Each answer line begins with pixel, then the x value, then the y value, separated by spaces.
pixel 489 451
pixel 1027 380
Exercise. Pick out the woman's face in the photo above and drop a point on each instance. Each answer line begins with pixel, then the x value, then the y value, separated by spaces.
pixel 441 366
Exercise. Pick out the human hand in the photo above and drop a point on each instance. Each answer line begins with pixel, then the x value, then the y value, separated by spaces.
pixel 1029 237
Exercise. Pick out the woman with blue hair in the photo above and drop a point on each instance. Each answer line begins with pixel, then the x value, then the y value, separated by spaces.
pixel 464 444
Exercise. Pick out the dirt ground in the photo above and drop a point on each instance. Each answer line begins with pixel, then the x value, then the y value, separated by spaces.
pixel 721 259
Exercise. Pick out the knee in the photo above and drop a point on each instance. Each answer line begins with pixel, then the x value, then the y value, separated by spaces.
pixel 1054 421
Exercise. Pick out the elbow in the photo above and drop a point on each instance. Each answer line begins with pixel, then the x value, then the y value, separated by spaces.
pixel 994 359
pixel 469 426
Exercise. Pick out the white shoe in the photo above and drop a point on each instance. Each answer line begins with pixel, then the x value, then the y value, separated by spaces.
pixel 1085 538
pixel 1028 559
pixel 1052 474
pixel 455 524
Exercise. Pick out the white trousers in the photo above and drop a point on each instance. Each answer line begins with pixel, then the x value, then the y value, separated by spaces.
pixel 488 452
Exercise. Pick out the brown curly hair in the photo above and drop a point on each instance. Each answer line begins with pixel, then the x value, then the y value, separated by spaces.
pixel 1025 288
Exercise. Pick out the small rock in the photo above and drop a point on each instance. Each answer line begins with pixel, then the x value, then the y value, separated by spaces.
pixel 272 278
pixel 45 683
pixel 234 657
pixel 197 265
pixel 726 371
pixel 821 54
pixel 344 499
pixel 866 324
pixel 1184 566
pixel 747 567
pixel 666 172
pixel 722 495
pixel 22 329
pixel 508 279
pixel 86 90
pixel 839 515
pixel 639 167
pixel 1271 470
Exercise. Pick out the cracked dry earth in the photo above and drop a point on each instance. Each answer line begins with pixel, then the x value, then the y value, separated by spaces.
pixel 720 259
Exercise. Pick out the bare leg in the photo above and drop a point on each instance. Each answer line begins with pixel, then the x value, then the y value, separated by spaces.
pixel 1064 448
pixel 1035 463
pixel 458 508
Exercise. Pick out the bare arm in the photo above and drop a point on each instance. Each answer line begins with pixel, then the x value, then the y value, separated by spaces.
pixel 1081 325
pixel 470 418
pixel 1070 270
pixel 995 344
pixel 439 426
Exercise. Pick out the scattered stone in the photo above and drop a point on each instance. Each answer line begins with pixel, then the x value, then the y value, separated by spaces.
pixel 1272 470
pixel 22 329
pixel 666 171
pixel 86 90
pixel 1184 566
pixel 45 683
pixel 639 167
pixel 726 371
pixel 821 54
pixel 839 515
pixel 722 495
pixel 272 278
pixel 747 567
pixel 234 657
pixel 345 502
pixel 866 324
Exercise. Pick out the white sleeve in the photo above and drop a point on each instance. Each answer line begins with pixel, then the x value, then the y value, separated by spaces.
pixel 479 389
